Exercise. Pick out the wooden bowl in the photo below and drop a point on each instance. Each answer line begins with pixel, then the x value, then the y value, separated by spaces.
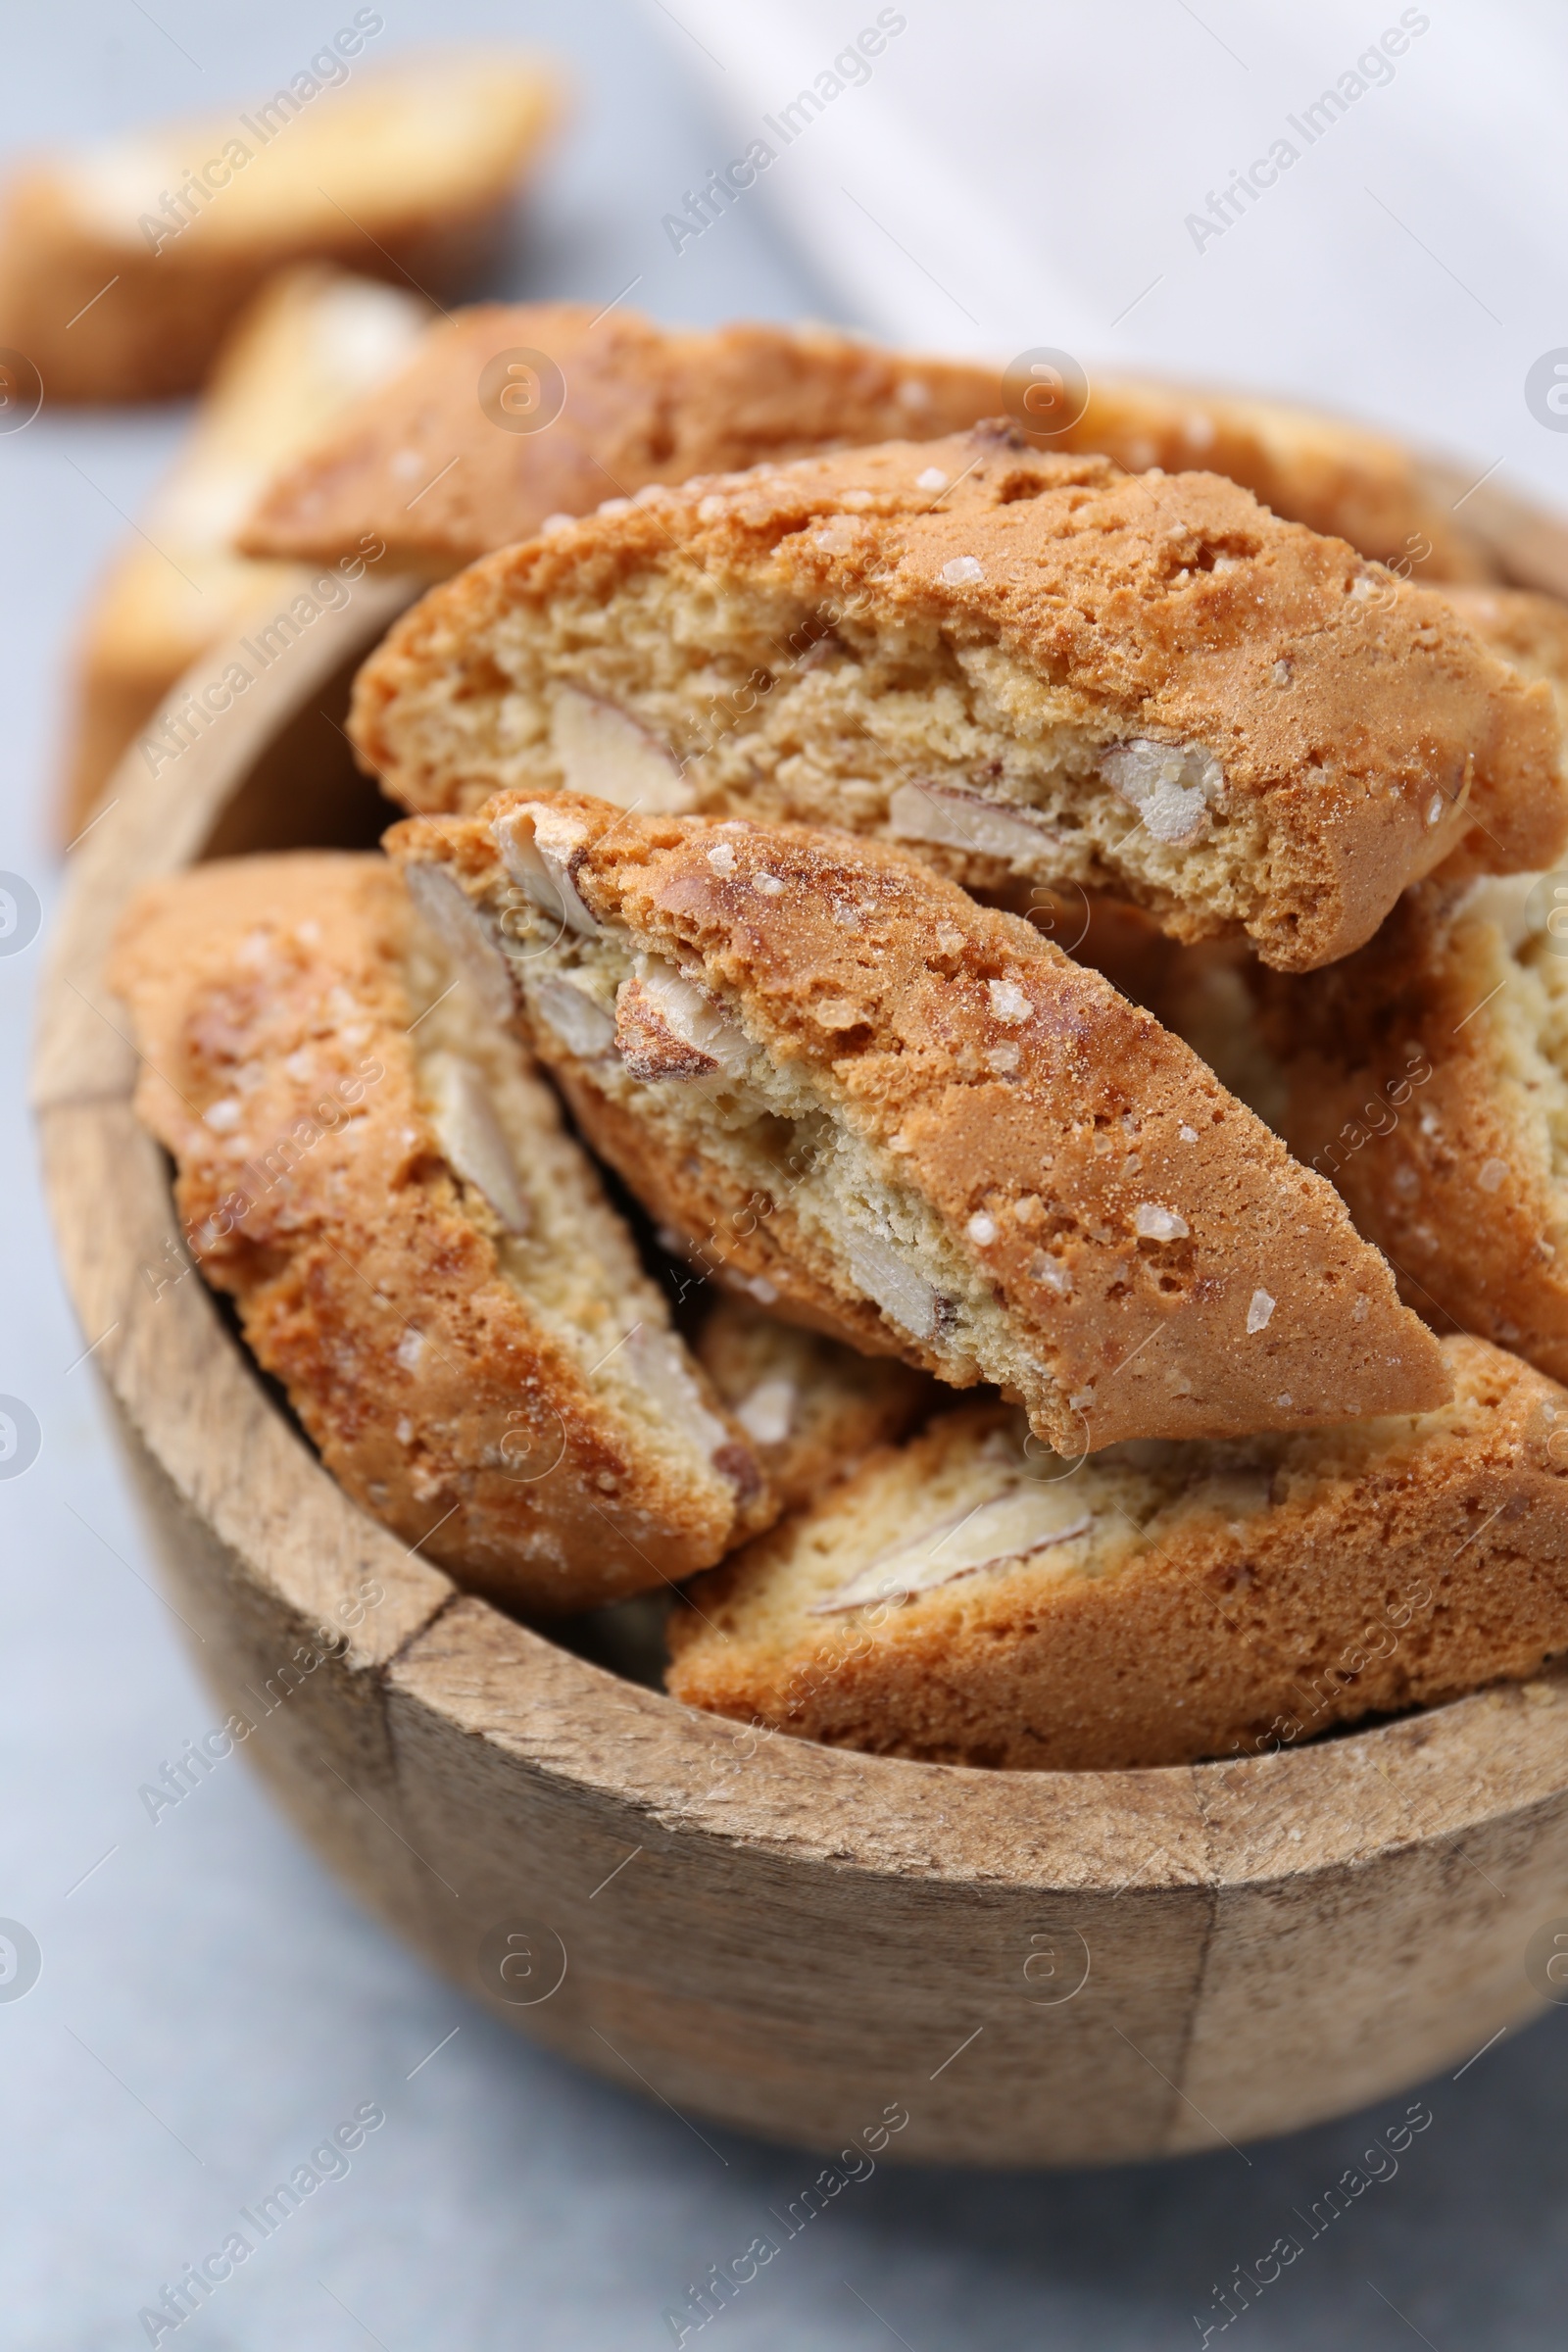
pixel 995 1968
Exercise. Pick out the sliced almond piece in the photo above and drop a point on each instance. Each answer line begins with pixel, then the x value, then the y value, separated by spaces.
pixel 604 752
pixel 658 1364
pixel 667 1028
pixel 885 1274
pixel 768 1414
pixel 1171 785
pixel 964 820
pixel 472 1138
pixel 582 1026
pixel 539 850
pixel 1014 1525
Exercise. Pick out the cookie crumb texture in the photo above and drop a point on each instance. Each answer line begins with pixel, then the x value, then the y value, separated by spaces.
pixel 1048 672
pixel 968 1598
pixel 850 1091
pixel 369 1163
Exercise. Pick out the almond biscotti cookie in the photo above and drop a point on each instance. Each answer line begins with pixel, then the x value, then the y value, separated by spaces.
pixel 1428 1077
pixel 313 341
pixel 811 1407
pixel 1337 477
pixel 433 465
pixel 970 1600
pixel 122 268
pixel 369 1163
pixel 1022 666
pixel 913 1122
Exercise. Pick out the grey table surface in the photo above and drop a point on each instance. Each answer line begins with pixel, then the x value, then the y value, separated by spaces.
pixel 210 2004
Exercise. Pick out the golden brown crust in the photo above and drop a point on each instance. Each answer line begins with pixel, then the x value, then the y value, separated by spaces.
pixel 1426 1077
pixel 645 404
pixel 811 1409
pixel 111 301
pixel 1391 1565
pixel 272 1010
pixel 1361 730
pixel 1122 942
pixel 1336 477
pixel 1157 1263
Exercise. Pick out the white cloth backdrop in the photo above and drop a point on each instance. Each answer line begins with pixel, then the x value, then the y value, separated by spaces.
pixel 1008 176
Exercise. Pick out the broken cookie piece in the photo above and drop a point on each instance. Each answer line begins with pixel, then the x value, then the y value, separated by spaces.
pixel 969 1599
pixel 124 263
pixel 911 1122
pixel 1030 668
pixel 312 338
pixel 369 1163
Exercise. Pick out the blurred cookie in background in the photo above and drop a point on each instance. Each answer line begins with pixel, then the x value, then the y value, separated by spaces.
pixel 514 412
pixel 473 417
pixel 310 342
pixel 124 266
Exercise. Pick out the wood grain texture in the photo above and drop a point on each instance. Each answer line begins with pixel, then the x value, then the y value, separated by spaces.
pixel 1034 1968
